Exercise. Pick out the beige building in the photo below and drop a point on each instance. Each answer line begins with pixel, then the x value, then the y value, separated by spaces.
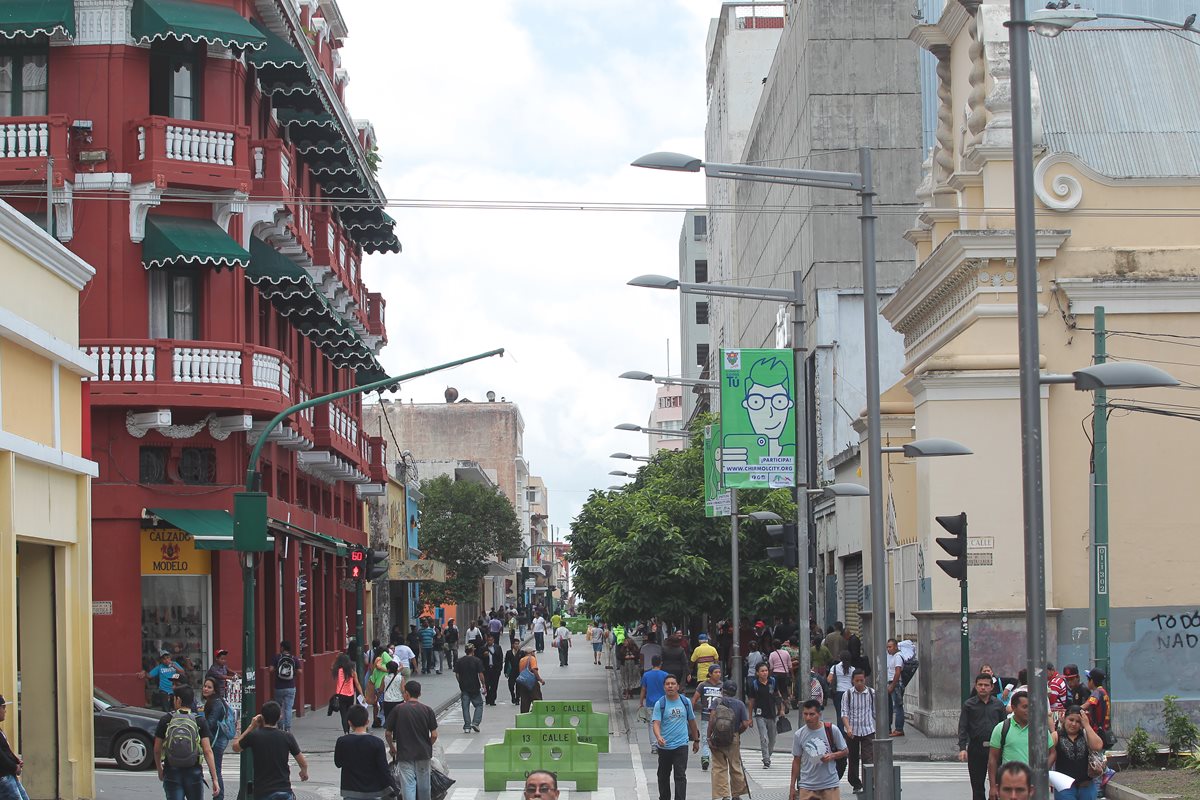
pixel 1117 183
pixel 45 513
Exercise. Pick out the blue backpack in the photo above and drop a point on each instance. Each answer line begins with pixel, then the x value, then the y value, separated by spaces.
pixel 226 730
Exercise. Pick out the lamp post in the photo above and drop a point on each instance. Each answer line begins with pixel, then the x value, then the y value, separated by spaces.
pixel 637 375
pixel 629 426
pixel 629 457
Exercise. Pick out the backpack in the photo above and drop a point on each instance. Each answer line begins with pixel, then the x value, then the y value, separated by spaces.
pixel 228 727
pixel 285 668
pixel 909 669
pixel 722 724
pixel 829 739
pixel 181 744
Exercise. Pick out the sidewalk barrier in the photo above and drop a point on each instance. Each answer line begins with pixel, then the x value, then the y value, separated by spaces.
pixel 555 749
pixel 590 726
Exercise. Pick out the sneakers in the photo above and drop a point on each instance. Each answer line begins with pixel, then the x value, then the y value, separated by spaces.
pixel 766 764
pixel 475 728
pixel 897 733
pixel 704 763
pixel 653 749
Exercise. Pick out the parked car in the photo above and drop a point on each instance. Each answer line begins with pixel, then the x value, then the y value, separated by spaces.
pixel 125 733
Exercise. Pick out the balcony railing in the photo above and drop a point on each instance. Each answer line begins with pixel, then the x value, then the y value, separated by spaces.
pixel 188 152
pixel 167 361
pixel 26 142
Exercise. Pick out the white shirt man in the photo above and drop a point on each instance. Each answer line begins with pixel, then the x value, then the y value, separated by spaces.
pixel 539 625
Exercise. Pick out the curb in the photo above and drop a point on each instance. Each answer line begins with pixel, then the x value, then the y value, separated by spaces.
pixel 1115 791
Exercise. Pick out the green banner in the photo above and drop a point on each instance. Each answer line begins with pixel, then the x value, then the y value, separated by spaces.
pixel 758 420
pixel 716 498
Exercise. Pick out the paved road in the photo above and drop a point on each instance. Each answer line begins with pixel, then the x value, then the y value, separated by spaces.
pixel 627 772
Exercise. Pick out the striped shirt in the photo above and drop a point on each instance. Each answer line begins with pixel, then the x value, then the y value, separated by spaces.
pixel 859 708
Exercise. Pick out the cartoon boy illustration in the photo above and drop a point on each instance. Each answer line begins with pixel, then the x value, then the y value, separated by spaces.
pixel 768 403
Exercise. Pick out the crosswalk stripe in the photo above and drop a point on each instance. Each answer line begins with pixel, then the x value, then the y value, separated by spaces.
pixel 459 745
pixel 462 793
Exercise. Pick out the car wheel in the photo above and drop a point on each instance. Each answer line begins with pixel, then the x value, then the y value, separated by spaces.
pixel 133 751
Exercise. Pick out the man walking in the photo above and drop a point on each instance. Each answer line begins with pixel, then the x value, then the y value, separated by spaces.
pixel 541 785
pixel 182 743
pixel 539 633
pixel 707 695
pixel 563 637
pixel 451 637
pixel 362 758
pixel 980 714
pixel 652 691
pixel 816 748
pixel 411 730
pixel 471 680
pixel 674 724
pixel 895 664
pixel 766 706
pixel 219 671
pixel 493 664
pixel 704 657
pixel 427 634
pixel 286 668
pixel 858 721
pixel 727 719
pixel 1010 738
pixel 270 748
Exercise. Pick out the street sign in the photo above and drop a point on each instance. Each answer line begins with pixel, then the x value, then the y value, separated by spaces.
pixel 530 583
pixel 979 559
pixel 980 542
pixel 1101 569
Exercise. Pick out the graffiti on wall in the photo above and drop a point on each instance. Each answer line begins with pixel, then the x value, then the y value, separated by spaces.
pixel 1164 656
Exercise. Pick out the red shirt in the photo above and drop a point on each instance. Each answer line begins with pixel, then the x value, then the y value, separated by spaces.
pixel 1056 687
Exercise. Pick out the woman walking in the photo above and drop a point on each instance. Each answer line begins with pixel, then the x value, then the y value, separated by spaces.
pixel 346 687
pixel 1079 754
pixel 215 711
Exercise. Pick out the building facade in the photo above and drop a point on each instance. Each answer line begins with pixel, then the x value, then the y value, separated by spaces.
pixel 45 512
pixel 667 414
pixel 202 158
pixel 694 338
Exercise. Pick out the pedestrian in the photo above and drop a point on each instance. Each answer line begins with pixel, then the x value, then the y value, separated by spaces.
pixel 652 691
pixel 10 764
pixel 512 663
pixel 675 658
pixel 411 730
pixel 493 666
pixel 1098 706
pixel 704 658
pixel 451 637
pixel 1078 754
pixel 219 671
pixel 780 662
pixel 363 759
pixel 563 636
pixel 346 688
pixel 413 640
pixel 270 748
pixel 378 661
pixel 217 713
pixel 1010 738
pixel 1077 691
pixel 979 716
pixel 439 648
pixel 755 657
pixel 512 628
pixel 766 708
pixel 588 636
pixel 182 746
pixel 393 688
pixel 816 748
pixel 706 696
pixel 539 633
pixel 541 785
pixel 1056 693
pixel 165 671
pixel 725 644
pixel 407 658
pixel 895 664
pixel 835 640
pixel 285 666
pixel 650 648
pixel 527 694
pixel 1016 781
pixel 674 724
pixel 858 722
pixel 469 671
pixel 427 636
pixel 728 718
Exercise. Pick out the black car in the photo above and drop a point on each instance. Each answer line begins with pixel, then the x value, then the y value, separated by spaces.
pixel 123 732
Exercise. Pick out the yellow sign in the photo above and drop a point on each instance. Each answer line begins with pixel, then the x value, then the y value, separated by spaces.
pixel 170 551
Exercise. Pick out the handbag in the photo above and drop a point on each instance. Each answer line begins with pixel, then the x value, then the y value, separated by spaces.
pixel 333 705
pixel 527 680
pixel 1109 738
pixel 782 725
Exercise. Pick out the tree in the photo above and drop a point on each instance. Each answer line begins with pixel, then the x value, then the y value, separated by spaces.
pixel 464 525
pixel 649 550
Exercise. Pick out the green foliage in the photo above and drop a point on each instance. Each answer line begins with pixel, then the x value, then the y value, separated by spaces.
pixel 1140 749
pixel 649 549
pixel 1182 733
pixel 373 159
pixel 1191 761
pixel 463 525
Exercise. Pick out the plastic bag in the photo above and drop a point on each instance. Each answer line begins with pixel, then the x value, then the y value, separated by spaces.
pixel 439 784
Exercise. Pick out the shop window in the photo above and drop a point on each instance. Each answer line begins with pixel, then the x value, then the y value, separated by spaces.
pixel 198 465
pixel 174 305
pixel 175 617
pixel 175 80
pixel 152 464
pixel 24 83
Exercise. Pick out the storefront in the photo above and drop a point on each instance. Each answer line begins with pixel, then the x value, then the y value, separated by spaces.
pixel 176 601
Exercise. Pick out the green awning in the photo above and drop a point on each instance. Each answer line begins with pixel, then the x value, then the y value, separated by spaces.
pixel 291 116
pixel 277 53
pixel 24 19
pixel 184 240
pixel 211 528
pixel 282 276
pixel 329 543
pixel 186 21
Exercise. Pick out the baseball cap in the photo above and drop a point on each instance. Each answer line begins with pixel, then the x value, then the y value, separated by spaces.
pixel 760 624
pixel 162 653
pixel 222 652
pixel 728 687
pixel 703 637
pixel 1070 671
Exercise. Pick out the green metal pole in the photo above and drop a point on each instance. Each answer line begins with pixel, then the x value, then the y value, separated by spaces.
pixel 964 670
pixel 249 700
pixel 1100 499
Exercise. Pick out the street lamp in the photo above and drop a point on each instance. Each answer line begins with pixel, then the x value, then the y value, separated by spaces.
pixel 638 375
pixel 841 490
pixel 622 474
pixel 629 457
pixel 1050 22
pixel 629 426
pixel 929 448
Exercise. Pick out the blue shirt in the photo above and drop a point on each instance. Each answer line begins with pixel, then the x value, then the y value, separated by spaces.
pixel 653 680
pixel 426 638
pixel 673 718
pixel 164 673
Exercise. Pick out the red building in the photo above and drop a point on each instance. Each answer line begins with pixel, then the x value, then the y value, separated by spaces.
pixel 203 161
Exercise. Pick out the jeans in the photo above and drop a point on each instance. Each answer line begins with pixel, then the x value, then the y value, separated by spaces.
pixel 287 701
pixel 493 685
pixel 11 789
pixel 977 768
pixel 183 784
pixel 280 796
pixel 896 707
pixel 705 751
pixel 219 789
pixel 414 779
pixel 426 660
pixel 862 750
pixel 345 703
pixel 766 736
pixel 539 641
pixel 672 762
pixel 451 654
pixel 837 709
pixel 1088 792
pixel 468 700
pixel 563 650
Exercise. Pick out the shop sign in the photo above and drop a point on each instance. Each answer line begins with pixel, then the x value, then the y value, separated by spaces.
pixel 171 551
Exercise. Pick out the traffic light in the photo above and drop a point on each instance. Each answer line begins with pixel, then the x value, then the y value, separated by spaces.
pixel 954 545
pixel 377 565
pixel 358 563
pixel 786 555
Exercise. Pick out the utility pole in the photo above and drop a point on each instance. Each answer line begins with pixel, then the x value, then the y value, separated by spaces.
pixel 800 493
pixel 1099 555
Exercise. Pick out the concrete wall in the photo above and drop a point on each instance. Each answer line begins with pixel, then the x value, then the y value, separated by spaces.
pixel 693 247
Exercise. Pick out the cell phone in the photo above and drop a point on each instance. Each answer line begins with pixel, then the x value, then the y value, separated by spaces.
pixel 750 441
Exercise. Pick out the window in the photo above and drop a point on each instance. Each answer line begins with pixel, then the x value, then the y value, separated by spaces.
pixel 198 465
pixel 24 84
pixel 702 354
pixel 175 80
pixel 702 271
pixel 152 464
pixel 701 313
pixel 700 226
pixel 174 305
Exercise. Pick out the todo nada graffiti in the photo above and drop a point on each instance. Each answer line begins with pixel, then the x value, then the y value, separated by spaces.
pixel 1177 630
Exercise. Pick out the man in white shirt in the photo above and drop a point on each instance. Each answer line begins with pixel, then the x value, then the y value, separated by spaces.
pixel 562 640
pixel 858 720
pixel 407 658
pixel 539 633
pixel 895 663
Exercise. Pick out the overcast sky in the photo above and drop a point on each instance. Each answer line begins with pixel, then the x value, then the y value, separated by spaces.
pixel 534 100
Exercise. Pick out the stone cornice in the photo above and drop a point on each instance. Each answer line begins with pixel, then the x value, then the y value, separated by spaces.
pixel 25 235
pixel 1164 296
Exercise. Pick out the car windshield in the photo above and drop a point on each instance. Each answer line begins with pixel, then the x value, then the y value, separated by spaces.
pixel 105 700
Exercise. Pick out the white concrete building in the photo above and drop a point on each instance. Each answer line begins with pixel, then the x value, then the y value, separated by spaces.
pixel 667 413
pixel 694 339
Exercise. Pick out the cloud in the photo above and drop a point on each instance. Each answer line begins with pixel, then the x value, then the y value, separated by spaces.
pixel 533 101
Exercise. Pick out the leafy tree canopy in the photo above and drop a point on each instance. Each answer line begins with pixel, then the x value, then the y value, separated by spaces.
pixel 464 525
pixel 648 550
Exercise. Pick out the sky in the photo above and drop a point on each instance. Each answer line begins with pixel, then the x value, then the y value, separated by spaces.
pixel 533 100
